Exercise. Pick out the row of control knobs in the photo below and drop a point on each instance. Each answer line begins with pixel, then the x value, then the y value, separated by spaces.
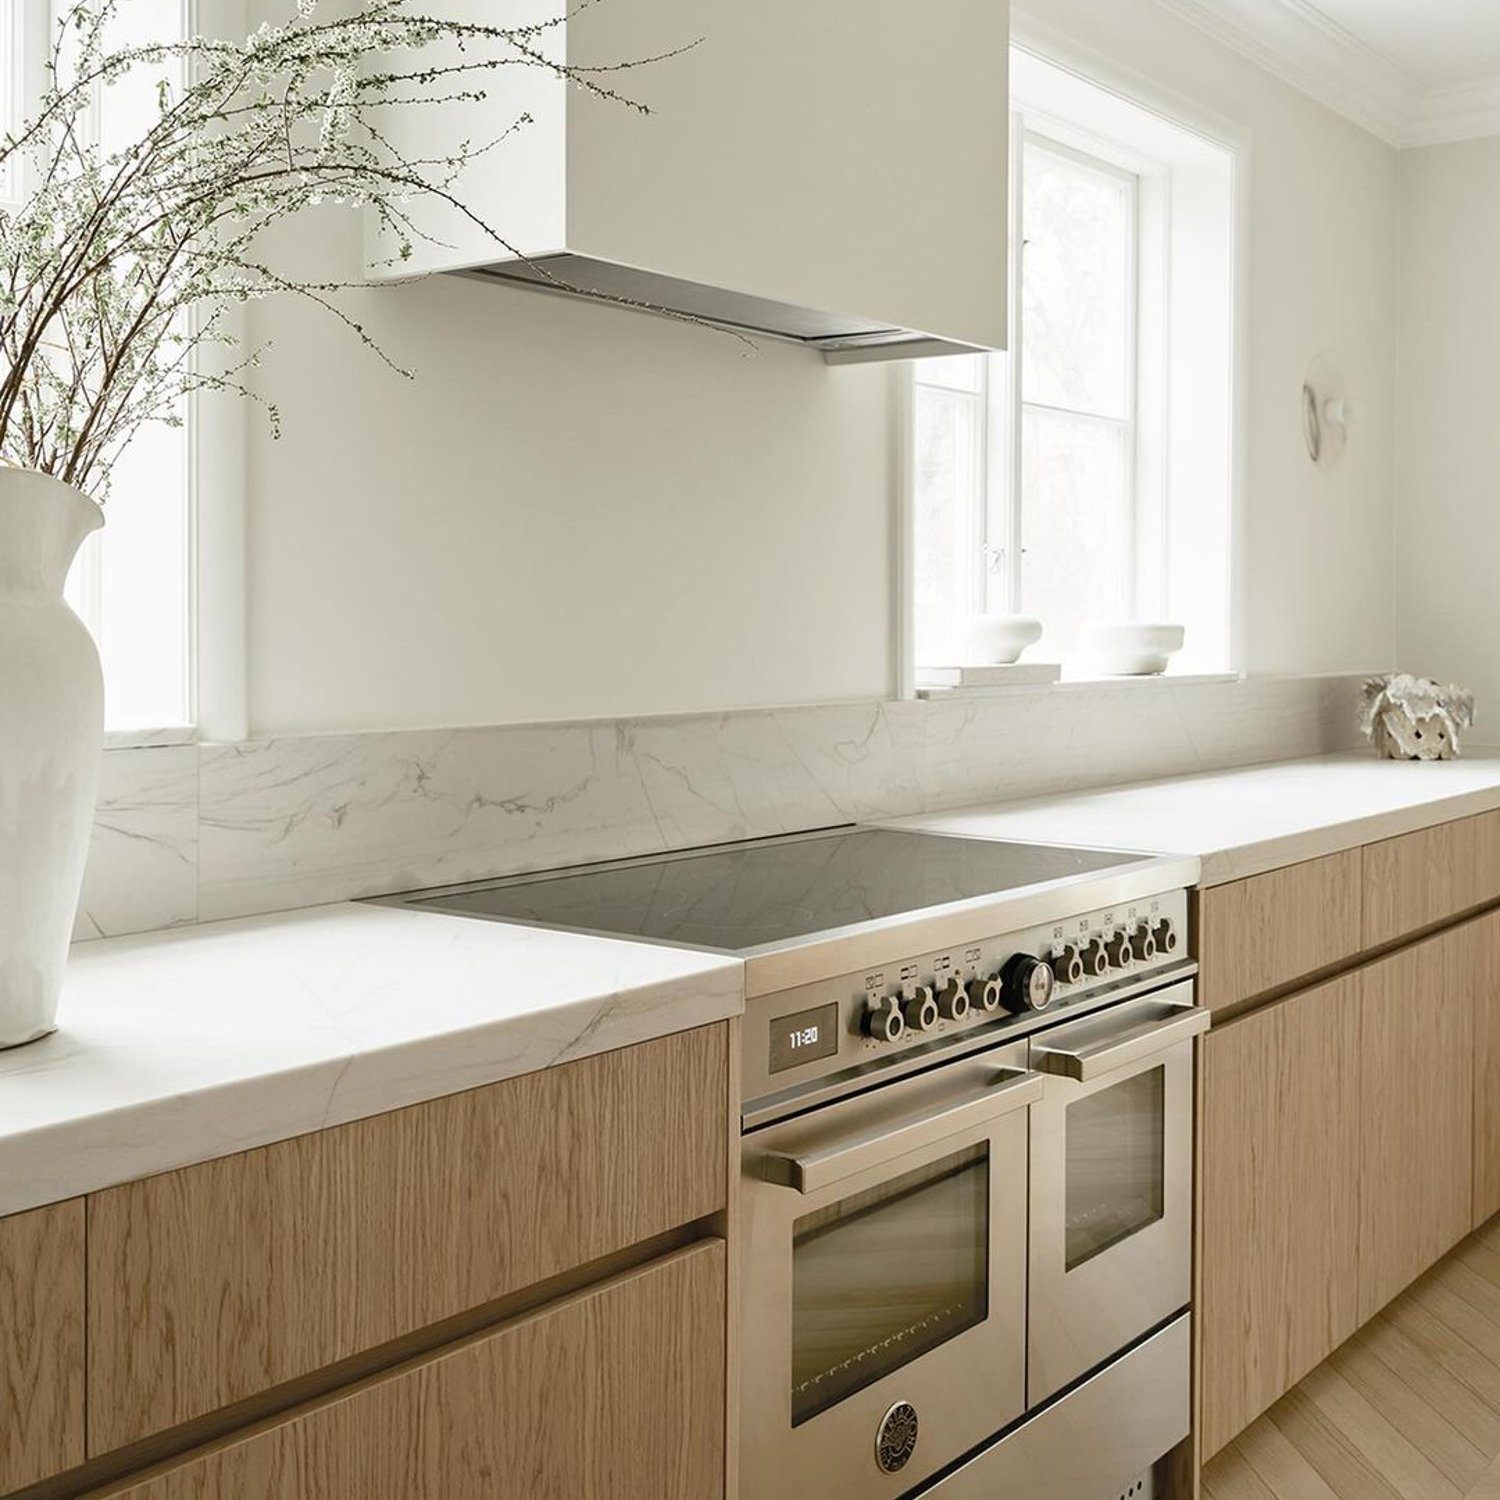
pixel 1024 983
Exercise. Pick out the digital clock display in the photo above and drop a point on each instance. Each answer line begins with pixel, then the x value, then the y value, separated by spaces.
pixel 804 1037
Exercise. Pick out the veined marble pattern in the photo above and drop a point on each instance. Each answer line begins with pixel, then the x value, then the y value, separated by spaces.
pixel 179 1047
pixel 142 870
pixel 301 821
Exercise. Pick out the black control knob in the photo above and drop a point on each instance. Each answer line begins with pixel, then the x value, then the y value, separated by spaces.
pixel 1118 950
pixel 921 1011
pixel 1095 959
pixel 984 994
pixel 1143 942
pixel 1026 983
pixel 953 1001
pixel 883 1019
pixel 1067 964
pixel 1166 936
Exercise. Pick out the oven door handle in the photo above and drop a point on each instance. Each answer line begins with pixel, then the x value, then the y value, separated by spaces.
pixel 1084 1064
pixel 812 1171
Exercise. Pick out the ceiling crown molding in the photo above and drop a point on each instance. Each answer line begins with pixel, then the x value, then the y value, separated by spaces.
pixel 1294 40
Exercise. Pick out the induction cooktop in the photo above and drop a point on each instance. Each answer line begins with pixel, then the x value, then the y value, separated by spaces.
pixel 743 898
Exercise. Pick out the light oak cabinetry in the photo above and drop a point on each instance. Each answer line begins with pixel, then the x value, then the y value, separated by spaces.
pixel 518 1290
pixel 1350 1128
pixel 1261 934
pixel 1485 978
pixel 616 1394
pixel 1280 1200
pixel 1421 879
pixel 41 1343
pixel 219 1281
pixel 1416 1114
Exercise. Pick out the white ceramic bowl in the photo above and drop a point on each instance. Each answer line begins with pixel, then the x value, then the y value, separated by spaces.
pixel 1133 648
pixel 998 640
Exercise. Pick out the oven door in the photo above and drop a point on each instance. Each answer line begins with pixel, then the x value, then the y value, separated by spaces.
pixel 884 1281
pixel 1111 1183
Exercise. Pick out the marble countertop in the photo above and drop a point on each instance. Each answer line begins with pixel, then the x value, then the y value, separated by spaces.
pixel 181 1046
pixel 1246 821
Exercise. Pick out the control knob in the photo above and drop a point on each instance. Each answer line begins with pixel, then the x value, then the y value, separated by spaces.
pixel 1095 959
pixel 1026 983
pixel 953 1000
pixel 1067 964
pixel 1166 936
pixel 1143 942
pixel 984 994
pixel 883 1019
pixel 921 1011
pixel 1118 950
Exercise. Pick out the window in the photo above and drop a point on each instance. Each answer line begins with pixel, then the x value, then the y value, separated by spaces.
pixel 132 583
pixel 1085 475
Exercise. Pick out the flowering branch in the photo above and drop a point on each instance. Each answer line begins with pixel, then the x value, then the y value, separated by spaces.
pixel 123 265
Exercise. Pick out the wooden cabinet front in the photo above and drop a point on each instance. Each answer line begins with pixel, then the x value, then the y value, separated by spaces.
pixel 1268 931
pixel 41 1343
pixel 1434 875
pixel 217 1282
pixel 1279 1205
pixel 1484 973
pixel 617 1394
pixel 1416 1109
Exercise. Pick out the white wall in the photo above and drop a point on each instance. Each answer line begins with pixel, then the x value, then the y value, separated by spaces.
pixel 1322 202
pixel 580 511
pixel 1448 529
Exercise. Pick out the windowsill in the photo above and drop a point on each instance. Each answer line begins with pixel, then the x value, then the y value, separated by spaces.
pixel 1071 680
pixel 150 739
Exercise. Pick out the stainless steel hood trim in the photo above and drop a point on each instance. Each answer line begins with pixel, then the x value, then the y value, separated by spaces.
pixel 842 339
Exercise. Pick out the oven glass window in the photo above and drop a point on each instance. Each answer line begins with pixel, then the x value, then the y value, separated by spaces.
pixel 882 1277
pixel 1116 1167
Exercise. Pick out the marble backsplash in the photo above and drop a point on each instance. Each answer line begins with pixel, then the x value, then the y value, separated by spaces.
pixel 191 833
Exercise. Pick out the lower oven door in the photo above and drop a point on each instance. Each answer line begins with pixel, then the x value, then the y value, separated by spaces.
pixel 1111 1183
pixel 883 1283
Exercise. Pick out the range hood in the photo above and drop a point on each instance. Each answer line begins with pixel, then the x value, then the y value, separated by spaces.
pixel 842 340
pixel 829 173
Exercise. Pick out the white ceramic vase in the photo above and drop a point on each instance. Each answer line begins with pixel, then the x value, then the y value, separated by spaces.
pixel 51 734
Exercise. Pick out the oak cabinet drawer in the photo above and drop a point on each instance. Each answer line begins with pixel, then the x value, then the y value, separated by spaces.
pixel 617 1394
pixel 1424 878
pixel 41 1343
pixel 217 1282
pixel 1268 931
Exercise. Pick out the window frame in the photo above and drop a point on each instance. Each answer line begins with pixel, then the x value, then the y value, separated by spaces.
pixel 1073 98
pixel 1007 503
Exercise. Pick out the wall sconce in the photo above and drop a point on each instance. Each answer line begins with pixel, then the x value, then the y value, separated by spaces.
pixel 1326 413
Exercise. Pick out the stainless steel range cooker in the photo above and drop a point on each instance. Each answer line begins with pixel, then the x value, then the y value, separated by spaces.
pixel 966 1192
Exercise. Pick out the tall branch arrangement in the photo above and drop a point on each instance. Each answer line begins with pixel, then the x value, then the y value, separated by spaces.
pixel 122 265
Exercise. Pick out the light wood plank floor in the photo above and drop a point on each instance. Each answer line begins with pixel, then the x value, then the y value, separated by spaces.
pixel 1408 1409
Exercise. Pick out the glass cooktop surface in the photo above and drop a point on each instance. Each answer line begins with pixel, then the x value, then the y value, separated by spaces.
pixel 740 897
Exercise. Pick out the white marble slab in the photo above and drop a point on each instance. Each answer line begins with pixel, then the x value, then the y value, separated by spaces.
pixel 180 1047
pixel 1244 822
pixel 292 822
pixel 142 871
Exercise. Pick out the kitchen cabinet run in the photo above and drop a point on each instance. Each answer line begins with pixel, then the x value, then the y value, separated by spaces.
pixel 519 1289
pixel 831 173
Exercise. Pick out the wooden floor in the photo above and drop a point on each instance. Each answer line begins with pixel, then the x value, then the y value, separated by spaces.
pixel 1408 1409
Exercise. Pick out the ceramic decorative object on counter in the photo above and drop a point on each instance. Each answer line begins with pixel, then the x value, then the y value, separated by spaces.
pixel 51 732
pixel 1132 648
pixel 1414 718
pixel 998 640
